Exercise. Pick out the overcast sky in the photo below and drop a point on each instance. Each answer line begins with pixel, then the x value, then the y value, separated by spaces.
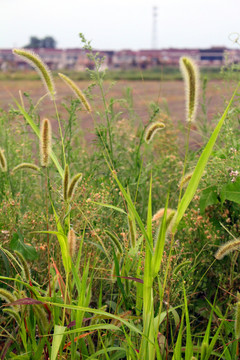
pixel 120 24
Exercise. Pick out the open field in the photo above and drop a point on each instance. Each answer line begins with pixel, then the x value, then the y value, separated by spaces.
pixel 170 93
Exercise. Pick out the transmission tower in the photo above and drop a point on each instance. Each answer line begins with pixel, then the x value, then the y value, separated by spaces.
pixel 154 28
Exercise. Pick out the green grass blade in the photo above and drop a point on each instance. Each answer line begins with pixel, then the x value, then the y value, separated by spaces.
pixel 119 282
pixel 149 214
pixel 115 241
pixel 199 169
pixel 132 207
pixel 178 347
pixel 214 340
pixel 157 257
pixel 97 312
pixel 100 352
pixel 189 344
pixel 93 328
pixel 63 245
pixel 57 339
pixel 109 206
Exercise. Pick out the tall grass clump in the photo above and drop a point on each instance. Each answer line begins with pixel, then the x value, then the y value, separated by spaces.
pixel 113 258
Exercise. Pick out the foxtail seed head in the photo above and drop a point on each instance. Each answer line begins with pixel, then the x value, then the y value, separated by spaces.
pixel 73 184
pixel 35 61
pixel 26 166
pixel 152 129
pixel 41 315
pixel 7 296
pixel 3 161
pixel 65 182
pixel 227 248
pixel 71 243
pixel 14 314
pixel 159 214
pixel 45 142
pixel 25 266
pixel 191 76
pixel 76 91
pixel 185 180
pixel 115 241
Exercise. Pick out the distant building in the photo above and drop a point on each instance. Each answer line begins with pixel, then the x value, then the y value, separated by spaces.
pixel 77 59
pixel 213 56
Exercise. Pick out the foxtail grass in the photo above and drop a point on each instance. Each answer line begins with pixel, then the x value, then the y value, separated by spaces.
pixel 72 243
pixel 227 248
pixel 152 129
pixel 73 184
pixel 3 161
pixel 7 296
pixel 26 166
pixel 65 182
pixel 191 83
pixel 45 142
pixel 76 91
pixel 159 214
pixel 185 180
pixel 191 76
pixel 35 61
pixel 25 266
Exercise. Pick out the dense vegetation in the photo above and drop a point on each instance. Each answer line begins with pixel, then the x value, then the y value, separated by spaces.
pixel 111 250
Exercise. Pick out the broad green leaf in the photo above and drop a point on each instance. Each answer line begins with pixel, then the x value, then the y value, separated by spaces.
pixel 57 339
pixel 28 251
pixel 208 197
pixel 231 192
pixel 199 169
